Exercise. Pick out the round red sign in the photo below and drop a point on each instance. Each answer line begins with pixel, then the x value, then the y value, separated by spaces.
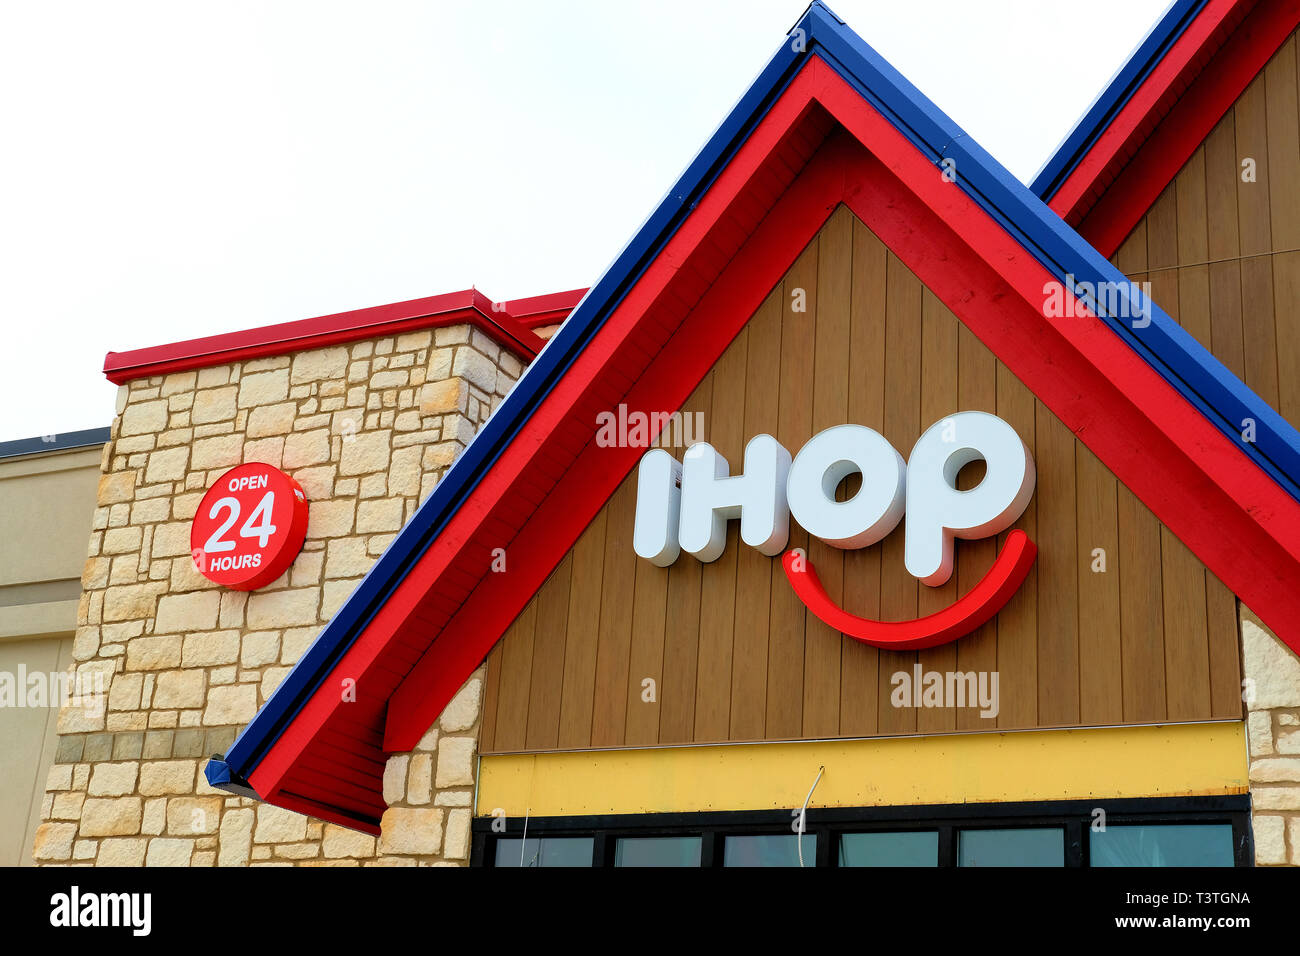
pixel 249 527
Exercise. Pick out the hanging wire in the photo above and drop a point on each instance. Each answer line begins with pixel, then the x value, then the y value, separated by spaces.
pixel 523 844
pixel 803 812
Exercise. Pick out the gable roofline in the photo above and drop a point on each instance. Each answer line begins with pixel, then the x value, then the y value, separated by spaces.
pixel 1009 203
pixel 231 770
pixel 1163 344
pixel 1117 92
pixel 1160 107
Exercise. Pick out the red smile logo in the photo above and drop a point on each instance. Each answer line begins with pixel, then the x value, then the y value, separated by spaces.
pixel 961 617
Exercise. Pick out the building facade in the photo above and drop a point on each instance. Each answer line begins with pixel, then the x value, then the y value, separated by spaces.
pixel 476 658
pixel 48 486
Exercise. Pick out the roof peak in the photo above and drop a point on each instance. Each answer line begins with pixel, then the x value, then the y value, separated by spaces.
pixel 858 133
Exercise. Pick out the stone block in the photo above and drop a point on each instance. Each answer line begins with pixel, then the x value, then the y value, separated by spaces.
pixel 143 418
pixel 193 816
pixel 121 851
pixel 236 836
pixel 167 464
pixel 412 832
pixel 182 613
pixel 341 842
pixel 168 852
pixel 1272 666
pixel 317 364
pixel 463 709
pixel 214 405
pixel 166 777
pixel 231 704
pixel 278 825
pixel 264 388
pixel 364 453
pixel 179 690
pixel 54 841
pixel 455 762
pixel 116 816
pixel 288 608
pixel 113 779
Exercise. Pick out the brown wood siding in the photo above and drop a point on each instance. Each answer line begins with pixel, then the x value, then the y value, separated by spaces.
pixel 1222 255
pixel 732 653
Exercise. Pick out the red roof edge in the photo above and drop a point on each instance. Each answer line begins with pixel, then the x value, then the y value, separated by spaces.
pixel 509 324
pixel 541 310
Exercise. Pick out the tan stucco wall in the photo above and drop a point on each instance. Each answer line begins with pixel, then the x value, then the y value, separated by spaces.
pixel 47 499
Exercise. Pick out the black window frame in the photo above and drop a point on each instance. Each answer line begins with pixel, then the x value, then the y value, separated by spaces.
pixel 1074 816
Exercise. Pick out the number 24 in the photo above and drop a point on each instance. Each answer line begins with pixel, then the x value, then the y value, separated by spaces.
pixel 250 529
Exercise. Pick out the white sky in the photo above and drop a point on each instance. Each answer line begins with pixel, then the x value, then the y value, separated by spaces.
pixel 176 169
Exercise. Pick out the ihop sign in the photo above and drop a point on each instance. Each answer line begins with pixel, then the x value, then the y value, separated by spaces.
pixel 686 507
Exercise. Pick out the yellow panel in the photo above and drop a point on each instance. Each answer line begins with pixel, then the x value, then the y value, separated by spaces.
pixel 1152 761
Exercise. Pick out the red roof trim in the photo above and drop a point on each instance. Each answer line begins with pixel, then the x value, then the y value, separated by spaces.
pixel 469 307
pixel 1149 102
pixel 671 324
pixel 570 410
pixel 1169 117
pixel 1201 487
pixel 541 310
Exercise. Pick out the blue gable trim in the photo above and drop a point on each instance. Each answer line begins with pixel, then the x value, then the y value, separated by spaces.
pixel 1182 361
pixel 1163 344
pixel 496 434
pixel 1115 96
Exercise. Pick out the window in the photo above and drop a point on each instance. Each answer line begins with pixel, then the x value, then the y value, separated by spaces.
pixel 886 848
pixel 1012 847
pixel 1166 831
pixel 780 849
pixel 544 851
pixel 1121 845
pixel 657 851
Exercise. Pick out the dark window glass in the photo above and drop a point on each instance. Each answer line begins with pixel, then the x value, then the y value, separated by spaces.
pixel 1161 845
pixel 920 848
pixel 774 850
pixel 657 851
pixel 546 851
pixel 1029 847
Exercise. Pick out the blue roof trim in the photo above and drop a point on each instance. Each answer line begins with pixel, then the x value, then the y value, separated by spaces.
pixel 220 776
pixel 1115 96
pixel 1178 357
pixel 1182 361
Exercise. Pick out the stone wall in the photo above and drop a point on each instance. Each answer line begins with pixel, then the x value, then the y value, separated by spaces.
pixel 1272 695
pixel 367 429
pixel 430 791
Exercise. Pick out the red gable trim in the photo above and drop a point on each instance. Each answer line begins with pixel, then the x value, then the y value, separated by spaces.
pixel 454 308
pixel 819 144
pixel 1196 481
pixel 674 323
pixel 516 494
pixel 1170 115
